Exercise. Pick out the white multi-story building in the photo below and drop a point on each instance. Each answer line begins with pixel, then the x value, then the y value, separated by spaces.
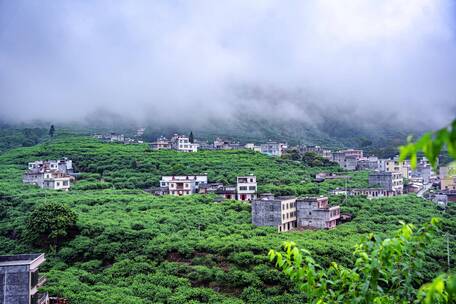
pixel 272 148
pixel 246 188
pixel 49 179
pixel 56 181
pixel 183 184
pixel 161 143
pixel 50 174
pixel 182 143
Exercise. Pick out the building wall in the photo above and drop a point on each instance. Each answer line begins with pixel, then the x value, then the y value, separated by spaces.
pixel 316 213
pixel 14 285
pixel 280 213
pixel 388 180
pixel 448 183
pixel 266 213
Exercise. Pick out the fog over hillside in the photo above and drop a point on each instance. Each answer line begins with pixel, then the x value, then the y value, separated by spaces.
pixel 198 63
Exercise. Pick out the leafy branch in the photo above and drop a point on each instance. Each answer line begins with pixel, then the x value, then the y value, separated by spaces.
pixel 431 144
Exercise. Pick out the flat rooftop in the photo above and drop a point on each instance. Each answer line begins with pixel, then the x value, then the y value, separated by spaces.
pixel 20 259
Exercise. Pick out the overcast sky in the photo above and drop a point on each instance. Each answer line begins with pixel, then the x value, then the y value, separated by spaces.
pixel 193 60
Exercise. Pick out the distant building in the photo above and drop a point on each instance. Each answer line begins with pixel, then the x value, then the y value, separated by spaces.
pixel 320 177
pixel 182 143
pixel 367 163
pixel 272 148
pixel 325 153
pixel 203 145
pixel 180 185
pixel 220 144
pixel 140 131
pixel 20 279
pixel 447 176
pixel 246 188
pixel 227 192
pixel 253 147
pixel 277 212
pixel 372 193
pixel 394 165
pixel 441 200
pixel 392 181
pixel 63 165
pixel 50 174
pixel 315 212
pixel 347 159
pixel 162 143
pixel 287 213
pixel 114 137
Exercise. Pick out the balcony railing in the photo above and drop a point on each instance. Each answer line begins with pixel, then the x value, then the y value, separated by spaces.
pixel 41 281
pixel 40 298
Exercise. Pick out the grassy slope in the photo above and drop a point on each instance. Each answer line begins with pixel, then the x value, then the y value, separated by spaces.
pixel 136 248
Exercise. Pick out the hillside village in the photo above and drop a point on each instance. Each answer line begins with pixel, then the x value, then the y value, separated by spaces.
pixel 387 177
pixel 285 214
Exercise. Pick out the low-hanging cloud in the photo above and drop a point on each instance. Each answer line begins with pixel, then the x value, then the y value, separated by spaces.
pixel 188 61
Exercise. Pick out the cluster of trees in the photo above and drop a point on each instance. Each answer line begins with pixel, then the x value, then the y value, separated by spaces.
pixel 310 159
pixel 13 137
pixel 113 243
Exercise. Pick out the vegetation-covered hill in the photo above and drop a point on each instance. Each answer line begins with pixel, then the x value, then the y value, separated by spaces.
pixel 131 247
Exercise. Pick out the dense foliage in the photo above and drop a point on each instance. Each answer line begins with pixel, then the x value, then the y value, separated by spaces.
pixel 131 247
pixel 50 223
pixel 385 271
pixel 13 137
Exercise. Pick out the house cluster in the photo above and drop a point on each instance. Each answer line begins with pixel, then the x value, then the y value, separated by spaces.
pixel 50 174
pixel 119 138
pixel 184 143
pixel 289 213
pixel 245 188
pixel 177 142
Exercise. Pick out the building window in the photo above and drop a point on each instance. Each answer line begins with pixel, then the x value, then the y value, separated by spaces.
pixel 243 188
pixel 252 188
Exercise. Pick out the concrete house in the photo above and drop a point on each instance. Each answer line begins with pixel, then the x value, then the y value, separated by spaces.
pixel 314 212
pixel 347 159
pixel 114 137
pixel 278 212
pixel 394 165
pixel 20 279
pixel 50 174
pixel 246 188
pixel 182 184
pixel 227 192
pixel 368 163
pixel 372 193
pixel 161 143
pixel 287 213
pixel 318 150
pixel 391 181
pixel 182 143
pixel 447 176
pixel 272 148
